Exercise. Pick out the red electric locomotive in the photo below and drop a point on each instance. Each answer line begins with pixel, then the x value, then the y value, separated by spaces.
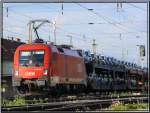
pixel 46 66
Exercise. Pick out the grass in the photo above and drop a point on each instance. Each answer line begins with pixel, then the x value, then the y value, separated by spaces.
pixel 18 101
pixel 117 106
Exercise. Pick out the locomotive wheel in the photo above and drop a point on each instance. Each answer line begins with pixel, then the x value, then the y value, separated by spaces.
pixel 20 90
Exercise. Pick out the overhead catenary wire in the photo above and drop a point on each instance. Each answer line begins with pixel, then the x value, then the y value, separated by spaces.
pixel 44 30
pixel 95 23
pixel 57 27
pixel 102 33
pixel 80 4
pixel 131 23
pixel 24 16
pixel 75 34
pixel 29 5
pixel 110 21
pixel 14 32
pixel 78 36
pixel 133 5
pixel 104 18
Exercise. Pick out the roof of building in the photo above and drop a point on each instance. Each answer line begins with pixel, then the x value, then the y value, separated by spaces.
pixel 8 47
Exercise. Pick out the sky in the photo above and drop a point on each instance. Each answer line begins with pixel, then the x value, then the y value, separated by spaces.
pixel 117 31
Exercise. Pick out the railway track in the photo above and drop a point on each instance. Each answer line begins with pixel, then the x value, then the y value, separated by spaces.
pixel 83 97
pixel 84 105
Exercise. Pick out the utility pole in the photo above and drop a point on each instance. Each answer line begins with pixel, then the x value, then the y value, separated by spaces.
pixel 62 8
pixel 7 11
pixel 49 38
pixel 84 38
pixel 71 43
pixel 54 32
pixel 141 54
pixel 94 47
pixel 139 62
pixel 54 25
pixel 127 53
pixel 94 59
pixel 122 45
pixel 119 7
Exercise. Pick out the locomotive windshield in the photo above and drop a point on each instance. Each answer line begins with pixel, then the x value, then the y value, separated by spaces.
pixel 31 58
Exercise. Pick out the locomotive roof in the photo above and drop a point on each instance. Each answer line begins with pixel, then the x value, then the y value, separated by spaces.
pixel 66 51
pixel 60 49
pixel 71 52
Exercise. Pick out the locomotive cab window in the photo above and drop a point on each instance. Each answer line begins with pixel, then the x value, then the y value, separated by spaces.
pixel 24 58
pixel 38 57
pixel 31 58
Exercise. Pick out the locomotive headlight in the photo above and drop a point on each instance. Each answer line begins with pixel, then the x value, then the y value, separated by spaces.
pixel 16 73
pixel 45 72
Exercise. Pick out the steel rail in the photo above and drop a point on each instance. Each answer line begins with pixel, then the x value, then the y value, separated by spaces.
pixel 46 99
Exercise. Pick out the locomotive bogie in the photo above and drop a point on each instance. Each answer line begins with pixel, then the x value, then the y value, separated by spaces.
pixel 42 81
